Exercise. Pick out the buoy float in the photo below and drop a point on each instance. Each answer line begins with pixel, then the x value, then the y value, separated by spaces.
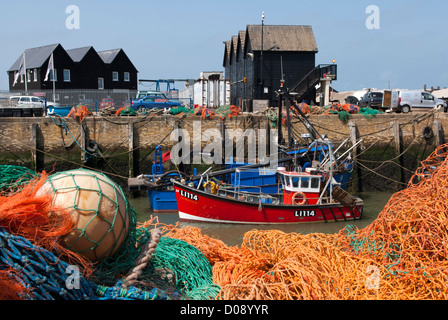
pixel 98 208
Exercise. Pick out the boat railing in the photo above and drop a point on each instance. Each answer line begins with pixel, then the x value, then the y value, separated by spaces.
pixel 254 197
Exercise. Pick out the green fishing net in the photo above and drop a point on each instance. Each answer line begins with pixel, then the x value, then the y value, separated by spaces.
pixel 12 177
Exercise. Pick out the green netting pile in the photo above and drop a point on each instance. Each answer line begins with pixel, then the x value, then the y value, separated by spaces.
pixel 128 111
pixel 12 177
pixel 181 109
pixel 192 271
pixel 369 112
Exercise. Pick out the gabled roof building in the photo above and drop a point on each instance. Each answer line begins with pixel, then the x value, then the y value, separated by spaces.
pixel 79 68
pixel 254 60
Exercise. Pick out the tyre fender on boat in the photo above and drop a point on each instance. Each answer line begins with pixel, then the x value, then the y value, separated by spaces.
pixel 298 195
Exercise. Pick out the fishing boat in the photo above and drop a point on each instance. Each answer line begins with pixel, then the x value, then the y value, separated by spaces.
pixel 309 196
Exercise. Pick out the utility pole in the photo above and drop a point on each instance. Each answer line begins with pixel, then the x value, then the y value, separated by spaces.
pixel 261 57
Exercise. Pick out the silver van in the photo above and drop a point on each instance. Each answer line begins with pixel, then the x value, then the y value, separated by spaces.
pixel 418 99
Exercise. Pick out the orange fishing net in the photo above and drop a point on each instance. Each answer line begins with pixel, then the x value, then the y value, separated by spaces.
pixel 11 289
pixel 31 215
pixel 403 254
pixel 79 113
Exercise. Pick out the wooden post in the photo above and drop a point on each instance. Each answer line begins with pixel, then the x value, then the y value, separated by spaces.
pixel 439 133
pixel 398 143
pixel 133 151
pixel 37 147
pixel 354 139
pixel 83 129
pixel 222 130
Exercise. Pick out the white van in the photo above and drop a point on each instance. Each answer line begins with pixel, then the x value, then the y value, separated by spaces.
pixel 26 101
pixel 418 99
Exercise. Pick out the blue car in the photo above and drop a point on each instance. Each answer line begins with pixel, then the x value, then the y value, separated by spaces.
pixel 154 102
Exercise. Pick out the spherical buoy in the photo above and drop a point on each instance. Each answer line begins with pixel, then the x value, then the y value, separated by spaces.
pixel 98 208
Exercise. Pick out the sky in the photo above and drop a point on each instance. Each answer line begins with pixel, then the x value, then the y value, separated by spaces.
pixel 404 43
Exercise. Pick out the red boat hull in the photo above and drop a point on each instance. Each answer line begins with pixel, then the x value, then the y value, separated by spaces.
pixel 196 205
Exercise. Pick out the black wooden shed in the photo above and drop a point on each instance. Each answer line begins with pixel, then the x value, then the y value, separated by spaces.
pixel 255 58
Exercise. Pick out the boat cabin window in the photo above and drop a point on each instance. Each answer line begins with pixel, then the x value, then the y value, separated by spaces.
pixel 301 183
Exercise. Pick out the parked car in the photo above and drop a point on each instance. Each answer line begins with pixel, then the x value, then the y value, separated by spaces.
pixel 26 101
pixel 142 94
pixel 418 99
pixel 30 101
pixel 373 99
pixel 154 102
pixel 107 103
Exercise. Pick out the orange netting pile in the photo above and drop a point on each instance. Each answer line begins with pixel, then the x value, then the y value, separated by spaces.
pixel 79 112
pixel 403 254
pixel 32 215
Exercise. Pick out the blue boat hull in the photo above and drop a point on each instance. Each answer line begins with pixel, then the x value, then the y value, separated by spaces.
pixel 60 111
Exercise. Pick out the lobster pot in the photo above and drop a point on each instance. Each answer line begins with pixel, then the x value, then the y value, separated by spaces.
pixel 98 208
pixel 344 197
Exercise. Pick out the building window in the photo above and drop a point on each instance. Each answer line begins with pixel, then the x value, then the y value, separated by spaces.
pixel 22 76
pixel 114 76
pixel 100 83
pixel 53 75
pixel 126 77
pixel 35 75
pixel 66 75
pixel 28 75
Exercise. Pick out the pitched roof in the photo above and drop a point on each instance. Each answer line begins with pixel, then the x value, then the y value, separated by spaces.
pixel 35 57
pixel 282 38
pixel 108 55
pixel 78 54
pixel 226 52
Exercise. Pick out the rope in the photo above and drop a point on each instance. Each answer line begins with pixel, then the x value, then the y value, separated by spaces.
pixel 144 258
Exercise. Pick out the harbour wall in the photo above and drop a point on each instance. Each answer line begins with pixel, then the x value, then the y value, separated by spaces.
pixel 127 143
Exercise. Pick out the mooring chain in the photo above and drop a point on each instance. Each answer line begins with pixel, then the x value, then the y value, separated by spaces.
pixel 144 258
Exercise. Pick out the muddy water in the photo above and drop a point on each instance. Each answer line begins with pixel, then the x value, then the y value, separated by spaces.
pixel 232 234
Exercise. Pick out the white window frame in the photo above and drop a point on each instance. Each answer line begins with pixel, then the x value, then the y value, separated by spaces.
pixel 126 76
pixel 28 75
pixel 69 75
pixel 35 75
pixel 115 76
pixel 102 83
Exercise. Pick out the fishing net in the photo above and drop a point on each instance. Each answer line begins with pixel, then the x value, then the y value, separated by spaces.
pixel 79 112
pixel 369 112
pixel 98 207
pixel 126 111
pixel 15 176
pixel 180 110
pixel 402 254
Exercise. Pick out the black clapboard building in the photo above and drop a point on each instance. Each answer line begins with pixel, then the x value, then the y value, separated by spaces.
pixel 254 60
pixel 79 68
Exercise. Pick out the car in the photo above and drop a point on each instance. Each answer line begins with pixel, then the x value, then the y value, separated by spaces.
pixel 107 103
pixel 372 99
pixel 30 101
pixel 142 94
pixel 154 102
pixel 410 99
pixel 26 101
